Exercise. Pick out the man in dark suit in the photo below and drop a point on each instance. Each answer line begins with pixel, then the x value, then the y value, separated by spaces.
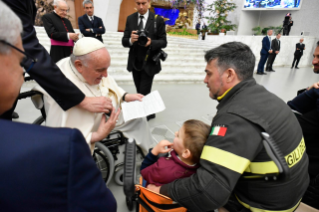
pixel 52 80
pixel 60 31
pixel 275 46
pixel 300 47
pixel 89 24
pixel 265 51
pixel 143 72
pixel 42 169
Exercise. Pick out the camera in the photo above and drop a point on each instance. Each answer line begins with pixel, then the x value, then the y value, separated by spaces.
pixel 143 37
pixel 160 56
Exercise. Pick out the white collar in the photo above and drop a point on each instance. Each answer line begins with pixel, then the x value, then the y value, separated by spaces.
pixel 90 17
pixel 145 15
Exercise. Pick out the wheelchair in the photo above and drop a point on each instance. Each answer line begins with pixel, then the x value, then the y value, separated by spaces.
pixel 144 200
pixel 106 151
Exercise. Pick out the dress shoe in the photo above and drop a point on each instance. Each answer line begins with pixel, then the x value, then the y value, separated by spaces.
pixel 272 70
pixel 268 70
pixel 15 115
pixel 292 68
pixel 152 116
pixel 296 68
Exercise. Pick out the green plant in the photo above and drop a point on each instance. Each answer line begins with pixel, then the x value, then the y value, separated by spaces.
pixel 219 11
pixel 181 33
pixel 257 30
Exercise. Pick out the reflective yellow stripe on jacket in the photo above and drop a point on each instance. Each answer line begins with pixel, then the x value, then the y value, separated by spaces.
pixel 262 210
pixel 240 164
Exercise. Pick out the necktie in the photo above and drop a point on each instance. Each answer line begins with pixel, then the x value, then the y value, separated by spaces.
pixel 140 26
pixel 92 20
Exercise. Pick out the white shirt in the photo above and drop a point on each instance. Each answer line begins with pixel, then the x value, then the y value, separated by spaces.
pixel 144 21
pixel 269 41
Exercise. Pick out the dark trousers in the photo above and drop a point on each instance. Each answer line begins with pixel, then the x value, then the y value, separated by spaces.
pixel 143 82
pixel 261 64
pixel 270 61
pixel 296 58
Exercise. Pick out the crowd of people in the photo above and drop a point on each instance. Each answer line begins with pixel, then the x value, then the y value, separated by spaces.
pixel 208 167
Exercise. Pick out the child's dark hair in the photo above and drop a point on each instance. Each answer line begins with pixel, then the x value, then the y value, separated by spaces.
pixel 196 133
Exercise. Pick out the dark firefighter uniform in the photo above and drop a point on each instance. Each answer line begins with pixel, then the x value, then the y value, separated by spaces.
pixel 234 151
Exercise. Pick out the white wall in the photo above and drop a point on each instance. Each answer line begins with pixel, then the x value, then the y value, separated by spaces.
pixel 109 11
pixel 305 19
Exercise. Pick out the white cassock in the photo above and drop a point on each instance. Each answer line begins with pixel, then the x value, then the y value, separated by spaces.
pixel 88 122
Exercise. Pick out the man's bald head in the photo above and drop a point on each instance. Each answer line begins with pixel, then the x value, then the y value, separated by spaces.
pixel 61 8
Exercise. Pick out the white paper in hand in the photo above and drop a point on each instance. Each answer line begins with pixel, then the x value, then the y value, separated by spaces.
pixel 151 103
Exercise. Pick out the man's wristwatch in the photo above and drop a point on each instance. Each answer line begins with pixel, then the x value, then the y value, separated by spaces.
pixel 123 98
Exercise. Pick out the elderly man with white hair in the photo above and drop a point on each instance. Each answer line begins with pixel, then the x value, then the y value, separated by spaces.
pixel 60 31
pixel 87 69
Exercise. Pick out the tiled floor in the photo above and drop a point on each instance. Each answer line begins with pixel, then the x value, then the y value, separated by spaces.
pixel 191 101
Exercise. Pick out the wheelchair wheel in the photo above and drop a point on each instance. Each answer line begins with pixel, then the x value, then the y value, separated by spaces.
pixel 105 157
pixel 118 177
pixel 119 172
pixel 102 164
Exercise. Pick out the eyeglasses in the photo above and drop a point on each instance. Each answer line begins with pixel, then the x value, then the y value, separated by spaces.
pixel 28 62
pixel 65 11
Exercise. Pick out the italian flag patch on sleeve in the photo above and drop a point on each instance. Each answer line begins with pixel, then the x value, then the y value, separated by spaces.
pixel 219 130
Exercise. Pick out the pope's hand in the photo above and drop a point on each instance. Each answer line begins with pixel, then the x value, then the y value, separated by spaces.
pixel 105 127
pixel 133 97
pixel 97 104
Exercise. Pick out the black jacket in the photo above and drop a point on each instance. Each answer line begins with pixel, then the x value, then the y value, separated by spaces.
pixel 85 23
pixel 234 151
pixel 275 46
pixel 301 48
pixel 158 41
pixel 45 72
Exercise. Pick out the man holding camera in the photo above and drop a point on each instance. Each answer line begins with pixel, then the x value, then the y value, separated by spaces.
pixel 287 24
pixel 145 35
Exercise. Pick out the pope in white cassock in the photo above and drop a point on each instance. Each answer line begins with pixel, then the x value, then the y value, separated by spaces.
pixel 87 69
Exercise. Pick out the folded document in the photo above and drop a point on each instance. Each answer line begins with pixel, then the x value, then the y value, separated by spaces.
pixel 151 103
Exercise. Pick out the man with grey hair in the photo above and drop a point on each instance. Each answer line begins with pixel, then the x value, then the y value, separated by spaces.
pixel 41 168
pixel 87 69
pixel 89 24
pixel 264 53
pixel 300 47
pixel 234 156
pixel 60 31
pixel 52 80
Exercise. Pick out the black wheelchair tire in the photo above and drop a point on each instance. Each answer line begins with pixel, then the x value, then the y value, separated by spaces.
pixel 102 156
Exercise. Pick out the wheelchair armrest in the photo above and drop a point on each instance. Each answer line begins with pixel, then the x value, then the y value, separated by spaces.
pixel 276 155
pixel 129 168
pixel 28 94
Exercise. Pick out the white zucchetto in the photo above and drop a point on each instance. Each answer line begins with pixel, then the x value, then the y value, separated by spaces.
pixel 87 45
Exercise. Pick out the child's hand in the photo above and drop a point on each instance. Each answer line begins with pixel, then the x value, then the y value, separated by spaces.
pixel 161 147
